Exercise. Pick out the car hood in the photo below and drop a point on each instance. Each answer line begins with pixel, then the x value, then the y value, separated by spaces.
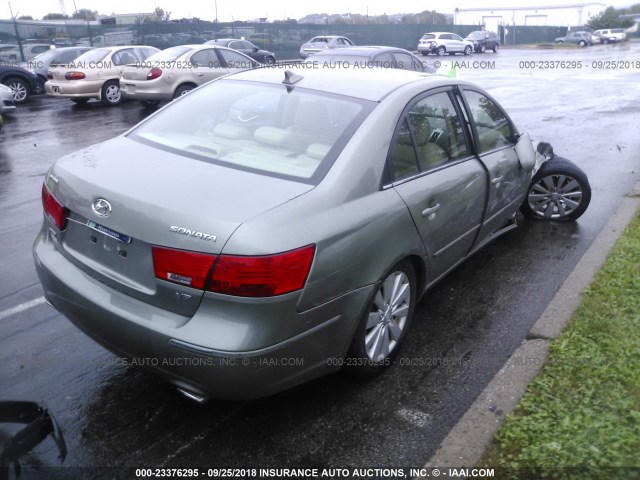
pixel 152 190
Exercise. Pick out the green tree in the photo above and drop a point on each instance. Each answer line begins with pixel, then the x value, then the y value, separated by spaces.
pixel 85 14
pixel 609 18
pixel 55 16
pixel 163 16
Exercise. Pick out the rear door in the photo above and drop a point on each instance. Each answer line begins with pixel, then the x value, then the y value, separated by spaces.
pixel 496 139
pixel 206 66
pixel 234 61
pixel 433 169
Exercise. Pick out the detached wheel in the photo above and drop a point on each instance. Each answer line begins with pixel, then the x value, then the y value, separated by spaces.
pixel 385 322
pixel 559 191
pixel 19 88
pixel 441 51
pixel 467 50
pixel 111 94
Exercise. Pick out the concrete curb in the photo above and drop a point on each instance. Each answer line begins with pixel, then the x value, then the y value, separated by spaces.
pixel 467 441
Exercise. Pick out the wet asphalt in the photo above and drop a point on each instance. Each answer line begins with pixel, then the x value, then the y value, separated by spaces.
pixel 113 415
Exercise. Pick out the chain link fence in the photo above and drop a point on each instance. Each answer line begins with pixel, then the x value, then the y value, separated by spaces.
pixel 22 40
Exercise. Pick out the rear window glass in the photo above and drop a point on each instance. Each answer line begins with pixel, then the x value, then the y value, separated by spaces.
pixel 169 54
pixel 428 36
pixel 95 55
pixel 258 127
pixel 319 40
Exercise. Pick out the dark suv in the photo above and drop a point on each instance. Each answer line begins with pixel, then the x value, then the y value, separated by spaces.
pixel 483 41
pixel 246 47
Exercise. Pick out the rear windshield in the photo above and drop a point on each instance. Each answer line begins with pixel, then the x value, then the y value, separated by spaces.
pixel 319 40
pixel 257 127
pixel 169 54
pixel 428 36
pixel 95 55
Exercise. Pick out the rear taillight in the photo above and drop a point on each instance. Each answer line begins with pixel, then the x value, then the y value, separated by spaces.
pixel 53 209
pixel 182 266
pixel 50 75
pixel 74 75
pixel 154 73
pixel 263 276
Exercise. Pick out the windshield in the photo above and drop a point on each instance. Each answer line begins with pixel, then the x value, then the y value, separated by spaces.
pixel 45 56
pixel 257 127
pixel 95 55
pixel 169 54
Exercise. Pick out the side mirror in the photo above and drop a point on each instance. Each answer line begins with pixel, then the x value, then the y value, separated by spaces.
pixel 526 153
pixel 255 49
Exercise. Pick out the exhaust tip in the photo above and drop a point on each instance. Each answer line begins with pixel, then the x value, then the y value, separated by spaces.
pixel 193 396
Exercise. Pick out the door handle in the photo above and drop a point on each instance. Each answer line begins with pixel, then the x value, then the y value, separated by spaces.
pixel 428 211
pixel 496 180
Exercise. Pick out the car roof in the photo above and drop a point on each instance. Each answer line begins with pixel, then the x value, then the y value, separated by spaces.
pixel 361 50
pixel 359 83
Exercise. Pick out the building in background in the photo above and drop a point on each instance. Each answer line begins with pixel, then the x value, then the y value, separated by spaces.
pixel 567 15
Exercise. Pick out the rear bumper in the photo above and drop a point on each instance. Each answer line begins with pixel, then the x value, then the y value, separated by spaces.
pixel 78 89
pixel 187 352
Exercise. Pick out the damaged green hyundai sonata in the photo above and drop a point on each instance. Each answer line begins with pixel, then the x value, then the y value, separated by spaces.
pixel 272 224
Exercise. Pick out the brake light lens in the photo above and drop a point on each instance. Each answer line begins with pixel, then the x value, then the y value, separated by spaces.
pixel 53 209
pixel 181 266
pixel 263 276
pixel 50 75
pixel 74 75
pixel 154 73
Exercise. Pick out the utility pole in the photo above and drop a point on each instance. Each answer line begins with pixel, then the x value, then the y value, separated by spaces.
pixel 216 3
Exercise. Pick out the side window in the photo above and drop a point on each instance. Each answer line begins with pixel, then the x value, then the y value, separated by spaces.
pixel 206 58
pixel 402 162
pixel 456 37
pixel 407 62
pixel 235 60
pixel 430 136
pixel 348 42
pixel 40 49
pixel 384 60
pixel 438 131
pixel 124 57
pixel 492 126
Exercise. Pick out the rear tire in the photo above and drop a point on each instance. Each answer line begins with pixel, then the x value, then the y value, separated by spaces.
pixel 467 50
pixel 559 191
pixel 385 322
pixel 19 88
pixel 183 90
pixel 483 48
pixel 582 43
pixel 495 48
pixel 111 93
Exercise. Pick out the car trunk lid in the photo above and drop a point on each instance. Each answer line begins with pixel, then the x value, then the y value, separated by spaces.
pixel 155 198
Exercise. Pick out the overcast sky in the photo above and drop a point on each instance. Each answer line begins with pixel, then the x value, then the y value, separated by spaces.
pixel 249 9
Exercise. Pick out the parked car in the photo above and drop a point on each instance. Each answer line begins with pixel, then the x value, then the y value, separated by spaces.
pixel 442 43
pixel 95 74
pixel 176 71
pixel 29 51
pixel 254 234
pixel 22 83
pixel 611 35
pixel 385 57
pixel 323 42
pixel 582 39
pixel 595 39
pixel 7 103
pixel 247 48
pixel 483 40
pixel 40 64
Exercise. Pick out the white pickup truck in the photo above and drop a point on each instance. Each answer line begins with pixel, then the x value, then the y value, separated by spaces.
pixel 611 35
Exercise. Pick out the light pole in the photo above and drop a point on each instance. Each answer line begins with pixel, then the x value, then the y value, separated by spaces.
pixel 216 4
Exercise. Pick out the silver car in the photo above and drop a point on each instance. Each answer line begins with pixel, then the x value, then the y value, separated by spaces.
pixel 324 42
pixel 275 225
pixel 7 103
pixel 443 43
